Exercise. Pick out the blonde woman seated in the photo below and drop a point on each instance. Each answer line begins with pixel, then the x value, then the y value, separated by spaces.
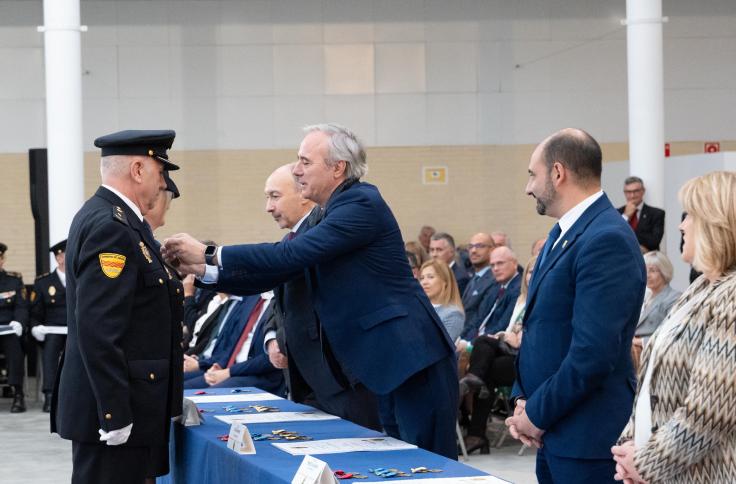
pixel 658 300
pixel 683 427
pixel 439 284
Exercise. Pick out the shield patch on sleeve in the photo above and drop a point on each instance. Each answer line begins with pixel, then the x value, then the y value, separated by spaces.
pixel 112 264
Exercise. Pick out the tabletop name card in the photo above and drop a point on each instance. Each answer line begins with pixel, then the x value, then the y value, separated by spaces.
pixel 239 439
pixel 313 471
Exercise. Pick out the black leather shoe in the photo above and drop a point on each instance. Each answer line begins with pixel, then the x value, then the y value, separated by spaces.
pixel 473 443
pixel 19 403
pixel 47 402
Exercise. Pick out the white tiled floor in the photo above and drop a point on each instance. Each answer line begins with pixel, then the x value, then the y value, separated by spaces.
pixel 33 455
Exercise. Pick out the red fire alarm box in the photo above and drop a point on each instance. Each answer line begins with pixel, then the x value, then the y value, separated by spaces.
pixel 712 147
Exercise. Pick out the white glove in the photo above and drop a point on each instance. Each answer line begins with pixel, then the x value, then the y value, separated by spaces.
pixel 39 332
pixel 17 327
pixel 116 437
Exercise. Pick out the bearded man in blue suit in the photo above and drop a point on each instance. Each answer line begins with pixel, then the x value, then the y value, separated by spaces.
pixel 575 379
pixel 380 325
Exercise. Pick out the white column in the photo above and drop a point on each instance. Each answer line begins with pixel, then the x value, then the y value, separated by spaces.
pixel 646 97
pixel 63 62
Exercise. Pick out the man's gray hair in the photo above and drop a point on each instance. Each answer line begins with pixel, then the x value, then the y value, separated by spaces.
pixel 114 166
pixel 344 145
pixel 633 179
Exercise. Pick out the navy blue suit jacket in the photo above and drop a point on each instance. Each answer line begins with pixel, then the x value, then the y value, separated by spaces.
pixel 574 365
pixel 230 333
pixel 258 365
pixel 475 294
pixel 363 290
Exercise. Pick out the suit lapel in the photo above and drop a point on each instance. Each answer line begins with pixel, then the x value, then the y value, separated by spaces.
pixel 564 244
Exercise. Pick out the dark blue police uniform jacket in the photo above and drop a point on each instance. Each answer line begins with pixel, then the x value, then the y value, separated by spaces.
pixel 574 365
pixel 379 323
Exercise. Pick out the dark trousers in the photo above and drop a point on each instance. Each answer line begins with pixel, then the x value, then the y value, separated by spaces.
pixel 423 409
pixel 358 405
pixel 11 347
pixel 114 464
pixel 500 373
pixel 51 349
pixel 558 470
pixel 485 351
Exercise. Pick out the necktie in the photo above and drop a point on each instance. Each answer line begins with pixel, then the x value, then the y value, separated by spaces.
pixel 634 221
pixel 551 239
pixel 471 285
pixel 291 236
pixel 248 328
pixel 499 296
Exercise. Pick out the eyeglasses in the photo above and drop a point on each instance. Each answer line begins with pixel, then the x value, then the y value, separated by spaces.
pixel 633 192
pixel 478 246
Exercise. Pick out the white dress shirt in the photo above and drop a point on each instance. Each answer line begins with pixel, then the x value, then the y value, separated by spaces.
pixel 572 215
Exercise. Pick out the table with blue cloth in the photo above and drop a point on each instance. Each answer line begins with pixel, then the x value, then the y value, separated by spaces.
pixel 198 455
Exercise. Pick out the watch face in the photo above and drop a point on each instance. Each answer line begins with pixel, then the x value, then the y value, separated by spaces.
pixel 210 250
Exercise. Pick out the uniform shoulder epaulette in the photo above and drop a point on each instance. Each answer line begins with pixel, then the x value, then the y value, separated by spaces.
pixel 119 215
pixel 41 276
pixel 14 274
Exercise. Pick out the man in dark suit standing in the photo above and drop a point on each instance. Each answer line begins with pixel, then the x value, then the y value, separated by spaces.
pixel 442 247
pixel 119 380
pixel 647 222
pixel 380 325
pixel 575 378
pixel 313 374
pixel 48 319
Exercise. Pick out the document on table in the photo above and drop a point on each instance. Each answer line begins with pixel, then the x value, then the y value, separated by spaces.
pixel 338 446
pixel 251 418
pixel 235 397
pixel 461 480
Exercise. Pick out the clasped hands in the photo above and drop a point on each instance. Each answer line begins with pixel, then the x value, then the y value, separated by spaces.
pixel 185 253
pixel 625 469
pixel 521 428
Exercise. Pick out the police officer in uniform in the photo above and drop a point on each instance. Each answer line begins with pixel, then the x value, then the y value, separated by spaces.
pixel 48 319
pixel 13 313
pixel 119 380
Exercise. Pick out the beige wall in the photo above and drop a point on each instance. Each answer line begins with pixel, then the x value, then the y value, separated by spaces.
pixel 222 194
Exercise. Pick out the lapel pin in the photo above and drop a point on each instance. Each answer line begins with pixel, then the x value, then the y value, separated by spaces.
pixel 564 243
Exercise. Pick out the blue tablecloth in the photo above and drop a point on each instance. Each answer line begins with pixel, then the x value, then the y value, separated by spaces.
pixel 198 457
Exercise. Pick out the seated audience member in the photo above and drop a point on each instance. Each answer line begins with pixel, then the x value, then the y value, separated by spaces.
pixel 537 246
pixel 205 325
pixel 658 300
pixel 48 319
pixel 425 236
pixel 501 239
pixel 418 251
pixel 464 258
pixel 442 247
pixel 683 426
pixel 413 263
pixel 196 300
pixel 492 365
pixel 479 251
pixel 239 358
pixel 442 291
pixel 495 312
pixel 647 222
